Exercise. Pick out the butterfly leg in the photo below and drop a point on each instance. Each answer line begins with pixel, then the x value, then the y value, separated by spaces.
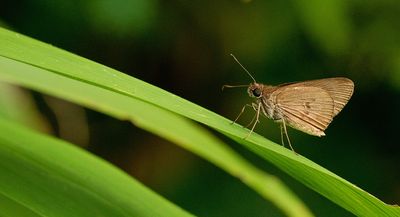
pixel 257 118
pixel 241 112
pixel 252 120
pixel 287 136
pixel 254 106
pixel 281 127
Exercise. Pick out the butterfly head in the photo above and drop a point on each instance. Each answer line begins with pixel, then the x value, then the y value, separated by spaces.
pixel 255 90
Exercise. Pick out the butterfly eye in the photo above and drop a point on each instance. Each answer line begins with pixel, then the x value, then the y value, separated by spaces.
pixel 257 92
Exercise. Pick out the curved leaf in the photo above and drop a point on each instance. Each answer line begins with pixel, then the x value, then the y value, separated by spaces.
pixel 40 178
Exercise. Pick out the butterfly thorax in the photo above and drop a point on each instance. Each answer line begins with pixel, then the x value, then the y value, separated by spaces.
pixel 268 102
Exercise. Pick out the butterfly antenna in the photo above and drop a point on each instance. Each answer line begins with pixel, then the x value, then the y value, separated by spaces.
pixel 244 68
pixel 230 86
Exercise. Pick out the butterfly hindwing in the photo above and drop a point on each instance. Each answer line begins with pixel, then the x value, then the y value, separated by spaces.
pixel 305 108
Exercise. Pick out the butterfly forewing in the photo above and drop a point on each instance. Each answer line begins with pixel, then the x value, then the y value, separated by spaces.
pixel 306 108
pixel 339 89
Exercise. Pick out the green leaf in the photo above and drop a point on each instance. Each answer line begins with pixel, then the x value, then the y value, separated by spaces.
pixel 157 120
pixel 43 176
pixel 64 64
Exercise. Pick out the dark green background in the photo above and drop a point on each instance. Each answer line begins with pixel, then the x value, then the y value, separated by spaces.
pixel 184 47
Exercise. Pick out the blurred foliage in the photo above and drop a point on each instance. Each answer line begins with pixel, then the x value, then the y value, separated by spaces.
pixel 184 47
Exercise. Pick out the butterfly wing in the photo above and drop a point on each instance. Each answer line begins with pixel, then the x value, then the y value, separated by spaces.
pixel 305 108
pixel 339 89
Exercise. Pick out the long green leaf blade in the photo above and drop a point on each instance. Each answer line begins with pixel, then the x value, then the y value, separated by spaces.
pixel 43 176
